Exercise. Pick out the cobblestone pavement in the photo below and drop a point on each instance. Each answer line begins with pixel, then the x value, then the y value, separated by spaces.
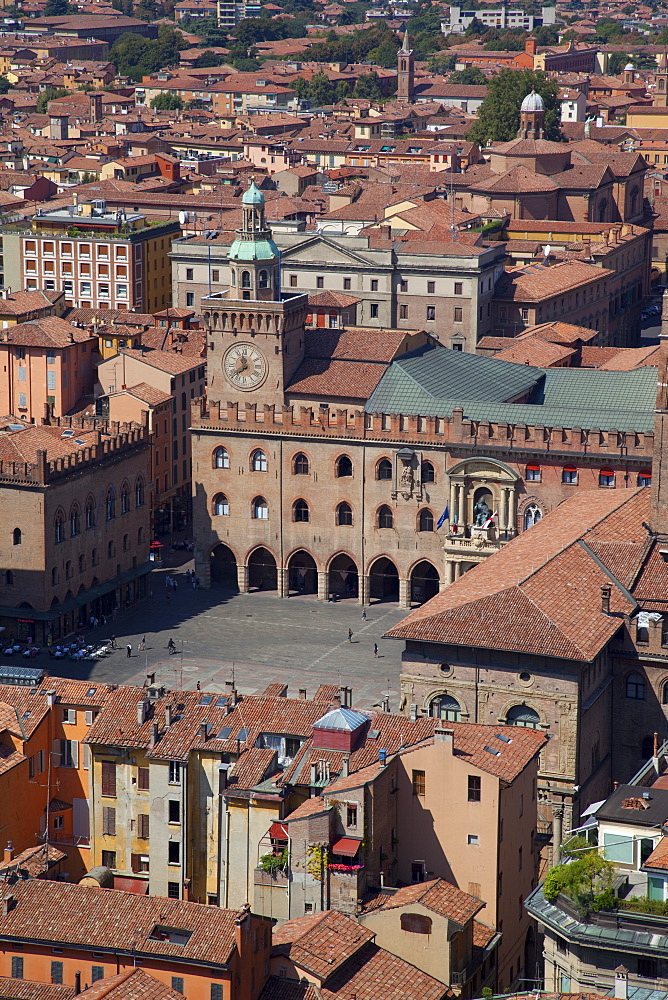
pixel 255 638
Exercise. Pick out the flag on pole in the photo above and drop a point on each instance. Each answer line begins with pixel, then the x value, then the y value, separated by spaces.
pixel 489 520
pixel 445 516
pixel 453 526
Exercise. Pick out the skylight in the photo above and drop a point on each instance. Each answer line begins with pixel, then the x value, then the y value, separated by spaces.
pixel 497 753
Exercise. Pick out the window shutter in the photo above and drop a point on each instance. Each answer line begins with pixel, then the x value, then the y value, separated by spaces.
pixel 74 747
pixel 109 821
pixel 135 862
pixel 89 718
pixel 86 757
pixel 143 779
pixel 143 826
pixel 57 750
pixel 109 778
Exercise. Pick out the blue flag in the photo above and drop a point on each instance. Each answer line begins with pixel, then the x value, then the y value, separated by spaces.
pixel 445 516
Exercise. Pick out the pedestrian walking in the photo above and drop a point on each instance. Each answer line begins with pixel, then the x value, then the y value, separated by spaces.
pixel 350 635
pixel 168 581
pixel 129 649
pixel 142 644
pixel 174 584
pixel 375 649
pixel 199 686
pixel 193 580
pixel 363 614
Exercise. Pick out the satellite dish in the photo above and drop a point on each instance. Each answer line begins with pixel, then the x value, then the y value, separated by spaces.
pixel 547 251
pixel 183 218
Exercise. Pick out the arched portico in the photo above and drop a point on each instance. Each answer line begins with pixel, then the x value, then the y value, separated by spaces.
pixel 223 567
pixel 302 573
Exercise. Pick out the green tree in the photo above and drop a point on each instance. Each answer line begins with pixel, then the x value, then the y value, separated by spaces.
pixel 476 27
pixel 136 57
pixel 321 90
pixel 587 881
pixel 368 87
pixel 167 102
pixel 50 94
pixel 58 8
pixel 5 85
pixel 385 54
pixel 471 76
pixel 617 62
pixel 209 58
pixel 606 29
pixel 546 34
pixel 499 114
pixel 441 62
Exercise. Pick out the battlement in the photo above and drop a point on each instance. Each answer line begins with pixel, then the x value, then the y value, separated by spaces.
pixel 421 431
pixel 111 439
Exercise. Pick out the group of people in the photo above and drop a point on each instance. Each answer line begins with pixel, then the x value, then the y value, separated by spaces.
pixel 171 583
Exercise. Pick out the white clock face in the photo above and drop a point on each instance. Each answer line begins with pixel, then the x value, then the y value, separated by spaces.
pixel 245 366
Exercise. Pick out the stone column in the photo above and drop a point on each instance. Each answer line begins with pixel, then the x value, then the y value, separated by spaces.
pixel 461 510
pixel 458 570
pixel 557 828
pixel 282 584
pixel 404 593
pixel 242 578
pixel 363 590
pixel 510 513
pixel 322 585
pixel 453 501
pixel 503 514
pixel 450 571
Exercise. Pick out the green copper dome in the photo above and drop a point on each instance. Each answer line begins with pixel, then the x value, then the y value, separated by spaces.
pixel 253 196
pixel 245 249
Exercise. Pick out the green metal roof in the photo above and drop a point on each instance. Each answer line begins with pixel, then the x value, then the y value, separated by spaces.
pixel 433 381
pixel 253 250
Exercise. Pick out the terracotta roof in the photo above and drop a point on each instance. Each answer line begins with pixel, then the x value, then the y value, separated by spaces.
pixel 25 989
pixel 22 302
pixel 167 361
pixel 147 394
pixel 132 984
pixel 252 767
pixel 535 351
pixel 320 943
pixel 23 445
pixel 629 358
pixel 559 333
pixel 535 282
pixel 376 974
pixel 34 861
pixel 355 343
pixel 438 895
pixel 310 807
pixel 541 593
pixel 75 915
pixel 350 379
pixel 482 934
pixel 337 300
pixel 50 331
pixel 31 704
pixel 518 180
pixel 659 856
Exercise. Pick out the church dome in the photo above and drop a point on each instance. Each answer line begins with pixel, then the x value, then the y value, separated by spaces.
pixel 532 102
pixel 629 66
pixel 253 196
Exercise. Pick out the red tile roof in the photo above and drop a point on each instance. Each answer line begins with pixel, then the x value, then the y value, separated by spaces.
pixel 75 915
pixel 34 861
pixel 542 592
pixel 132 984
pixel 438 895
pixel 320 943
pixel 26 989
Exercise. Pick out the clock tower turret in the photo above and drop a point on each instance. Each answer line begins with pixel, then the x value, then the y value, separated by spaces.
pixel 255 331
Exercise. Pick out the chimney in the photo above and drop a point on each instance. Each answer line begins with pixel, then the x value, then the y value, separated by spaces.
pixel 51 698
pixel 314 774
pixel 337 701
pixel 150 678
pixel 606 591
pixel 168 716
pixel 77 983
pixel 141 713
pixel 8 904
pixel 656 745
pixel 345 769
pixel 9 852
pixel 204 731
pixel 302 694
pixel 382 757
pixel 531 46
pixel 447 736
pixel 414 711
pixel 154 734
pixel 621 983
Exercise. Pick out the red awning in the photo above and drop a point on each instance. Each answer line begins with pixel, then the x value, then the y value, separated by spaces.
pixel 157 545
pixel 277 831
pixel 346 846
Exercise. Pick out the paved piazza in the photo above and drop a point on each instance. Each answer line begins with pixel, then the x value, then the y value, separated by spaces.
pixel 258 637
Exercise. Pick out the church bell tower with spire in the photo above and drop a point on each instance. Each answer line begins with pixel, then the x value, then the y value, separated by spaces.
pixel 255 330
pixel 405 71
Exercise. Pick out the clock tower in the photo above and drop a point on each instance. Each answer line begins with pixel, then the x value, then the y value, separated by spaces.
pixel 255 331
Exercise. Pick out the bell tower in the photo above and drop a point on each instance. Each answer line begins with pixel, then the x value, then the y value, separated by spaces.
pixel 405 71
pixel 255 331
pixel 661 80
pixel 658 517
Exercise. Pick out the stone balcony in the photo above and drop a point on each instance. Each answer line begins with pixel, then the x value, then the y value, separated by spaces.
pixel 471 545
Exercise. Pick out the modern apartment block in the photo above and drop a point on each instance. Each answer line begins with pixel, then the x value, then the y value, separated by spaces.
pixel 100 259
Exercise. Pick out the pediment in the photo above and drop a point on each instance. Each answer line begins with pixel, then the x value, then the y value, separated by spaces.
pixel 320 248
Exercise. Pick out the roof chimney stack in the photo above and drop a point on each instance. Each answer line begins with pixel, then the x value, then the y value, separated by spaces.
pixel 621 983
pixel 606 592
pixel 77 983
pixel 9 853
